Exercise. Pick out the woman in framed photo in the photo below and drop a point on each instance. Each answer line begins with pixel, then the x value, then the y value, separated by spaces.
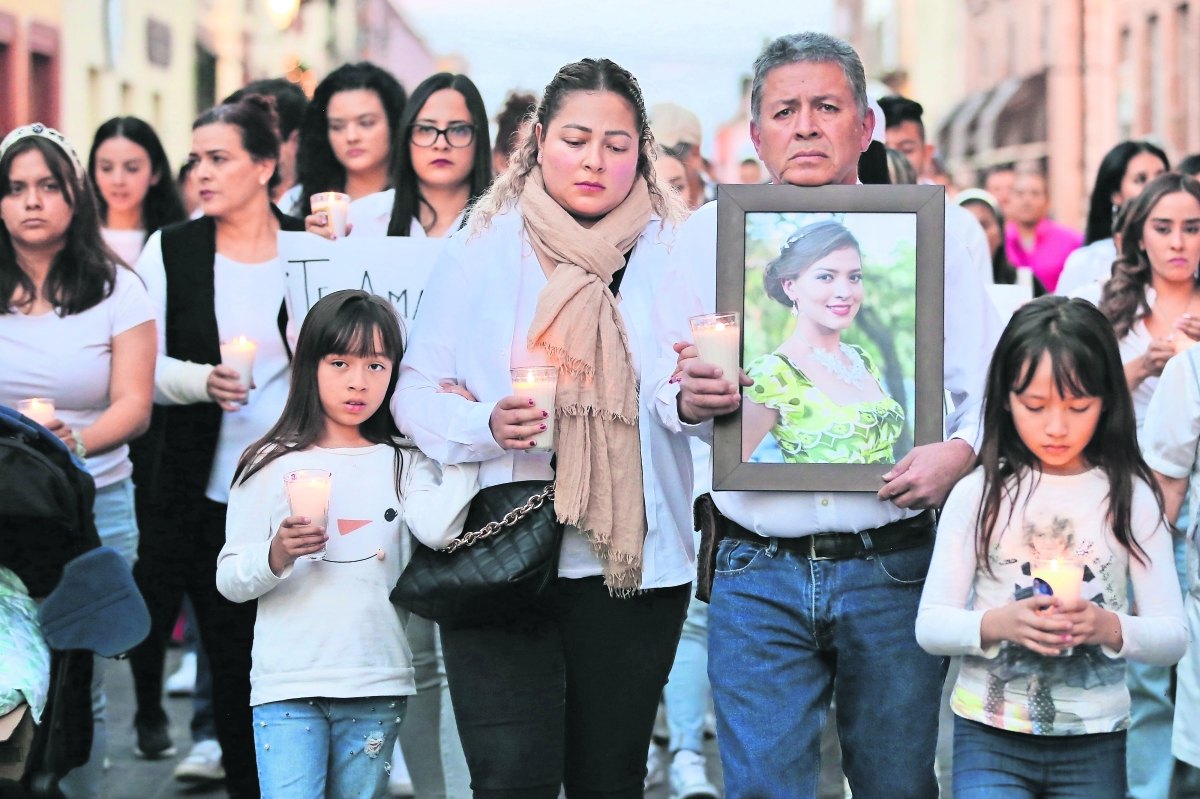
pixel 821 399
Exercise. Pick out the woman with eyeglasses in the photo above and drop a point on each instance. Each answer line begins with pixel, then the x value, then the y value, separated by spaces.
pixel 443 161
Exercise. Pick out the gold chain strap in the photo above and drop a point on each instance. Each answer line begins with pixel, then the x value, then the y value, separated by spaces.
pixel 512 517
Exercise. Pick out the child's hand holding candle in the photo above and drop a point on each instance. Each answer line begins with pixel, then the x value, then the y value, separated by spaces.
pixel 308 498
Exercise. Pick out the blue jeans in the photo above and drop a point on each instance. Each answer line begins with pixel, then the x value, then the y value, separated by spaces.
pixel 687 693
pixel 1152 715
pixel 326 748
pixel 116 523
pixel 785 634
pixel 990 763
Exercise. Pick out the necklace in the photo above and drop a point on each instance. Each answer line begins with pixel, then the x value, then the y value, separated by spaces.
pixel 855 374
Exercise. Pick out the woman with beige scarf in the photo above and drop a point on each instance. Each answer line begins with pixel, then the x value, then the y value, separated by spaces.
pixel 559 268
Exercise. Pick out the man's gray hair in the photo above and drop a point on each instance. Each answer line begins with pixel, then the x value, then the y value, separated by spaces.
pixel 813 48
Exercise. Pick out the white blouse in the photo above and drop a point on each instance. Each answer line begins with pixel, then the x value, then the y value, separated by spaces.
pixel 371 215
pixel 466 330
pixel 1133 345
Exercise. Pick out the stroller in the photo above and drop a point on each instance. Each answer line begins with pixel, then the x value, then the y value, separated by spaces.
pixel 88 602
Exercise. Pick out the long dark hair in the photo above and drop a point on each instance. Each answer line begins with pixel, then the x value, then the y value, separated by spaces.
pixel 317 168
pixel 408 202
pixel 1003 271
pixel 84 272
pixel 254 115
pixel 1087 363
pixel 1108 180
pixel 162 205
pixel 1124 298
pixel 588 75
pixel 342 323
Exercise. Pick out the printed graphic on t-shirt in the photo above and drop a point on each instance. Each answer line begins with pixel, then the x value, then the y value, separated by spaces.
pixel 1019 689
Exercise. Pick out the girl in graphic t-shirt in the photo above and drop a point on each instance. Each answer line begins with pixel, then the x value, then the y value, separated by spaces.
pixel 331 667
pixel 1041 700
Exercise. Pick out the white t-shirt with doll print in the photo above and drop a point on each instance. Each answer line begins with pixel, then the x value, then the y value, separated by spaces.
pixel 1011 687
pixel 327 628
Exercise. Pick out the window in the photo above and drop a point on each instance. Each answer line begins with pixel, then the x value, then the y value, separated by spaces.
pixel 1124 85
pixel 43 74
pixel 206 79
pixel 1180 94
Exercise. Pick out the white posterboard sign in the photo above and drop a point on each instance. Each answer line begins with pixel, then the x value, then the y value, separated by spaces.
pixel 1008 298
pixel 394 267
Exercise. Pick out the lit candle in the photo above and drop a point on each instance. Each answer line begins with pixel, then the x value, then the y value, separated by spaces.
pixel 1063 575
pixel 238 354
pixel 308 495
pixel 719 339
pixel 336 206
pixel 539 383
pixel 39 409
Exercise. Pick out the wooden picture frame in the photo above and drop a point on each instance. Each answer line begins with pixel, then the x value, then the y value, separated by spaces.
pixel 921 332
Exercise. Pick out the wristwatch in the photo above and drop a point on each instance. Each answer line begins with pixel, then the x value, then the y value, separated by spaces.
pixel 80 449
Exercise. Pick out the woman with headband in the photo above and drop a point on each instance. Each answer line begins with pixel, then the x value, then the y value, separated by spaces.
pixel 77 328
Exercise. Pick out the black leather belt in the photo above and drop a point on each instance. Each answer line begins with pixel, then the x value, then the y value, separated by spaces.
pixel 902 534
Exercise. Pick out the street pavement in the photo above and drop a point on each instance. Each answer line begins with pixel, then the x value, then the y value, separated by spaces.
pixel 128 776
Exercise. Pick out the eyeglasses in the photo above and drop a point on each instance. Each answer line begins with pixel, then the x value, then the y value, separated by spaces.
pixel 456 135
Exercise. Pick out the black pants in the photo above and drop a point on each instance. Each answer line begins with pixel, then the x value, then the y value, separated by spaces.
pixel 564 693
pixel 183 560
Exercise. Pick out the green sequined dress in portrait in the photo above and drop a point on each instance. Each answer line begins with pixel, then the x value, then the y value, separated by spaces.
pixel 812 428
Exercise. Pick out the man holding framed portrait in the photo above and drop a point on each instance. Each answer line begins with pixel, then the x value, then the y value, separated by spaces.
pixel 859 308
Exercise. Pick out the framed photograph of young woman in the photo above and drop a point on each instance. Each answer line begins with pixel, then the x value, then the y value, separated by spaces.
pixel 840 296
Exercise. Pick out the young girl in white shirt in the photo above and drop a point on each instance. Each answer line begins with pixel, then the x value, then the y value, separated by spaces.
pixel 332 668
pixel 1041 695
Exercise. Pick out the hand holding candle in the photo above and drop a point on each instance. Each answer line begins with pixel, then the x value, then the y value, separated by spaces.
pixel 308 496
pixel 39 409
pixel 538 383
pixel 238 354
pixel 336 207
pixel 719 339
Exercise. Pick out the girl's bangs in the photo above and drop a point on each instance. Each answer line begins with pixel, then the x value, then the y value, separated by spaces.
pixel 1078 371
pixel 356 328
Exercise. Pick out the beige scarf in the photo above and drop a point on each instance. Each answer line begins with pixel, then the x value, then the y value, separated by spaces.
pixel 599 475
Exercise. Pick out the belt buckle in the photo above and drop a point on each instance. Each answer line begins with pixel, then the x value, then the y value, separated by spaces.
pixel 812 549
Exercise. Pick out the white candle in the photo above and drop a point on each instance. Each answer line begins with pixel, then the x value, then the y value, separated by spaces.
pixel 238 354
pixel 336 206
pixel 1025 277
pixel 39 409
pixel 719 339
pixel 308 495
pixel 1064 576
pixel 538 383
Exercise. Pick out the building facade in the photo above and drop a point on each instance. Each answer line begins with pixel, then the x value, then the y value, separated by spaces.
pixel 1061 81
pixel 31 48
pixel 73 64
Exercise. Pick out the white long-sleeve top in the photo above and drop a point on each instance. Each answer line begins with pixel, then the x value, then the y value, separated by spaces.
pixel 972 328
pixel 327 628
pixel 1062 516
pixel 465 330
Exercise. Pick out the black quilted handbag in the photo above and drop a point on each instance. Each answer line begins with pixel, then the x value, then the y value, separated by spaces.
pixel 503 564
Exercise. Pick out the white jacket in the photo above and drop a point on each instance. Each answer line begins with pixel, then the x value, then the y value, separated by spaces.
pixel 464 330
